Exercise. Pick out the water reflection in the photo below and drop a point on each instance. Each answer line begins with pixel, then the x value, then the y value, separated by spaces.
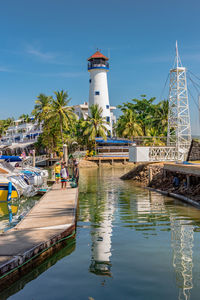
pixel 182 234
pixel 38 270
pixel 146 242
pixel 146 212
pixel 101 239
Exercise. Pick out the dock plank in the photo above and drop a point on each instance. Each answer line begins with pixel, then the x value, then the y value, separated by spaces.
pixel 50 220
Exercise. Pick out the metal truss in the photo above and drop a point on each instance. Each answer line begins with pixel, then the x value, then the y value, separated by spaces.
pixel 179 130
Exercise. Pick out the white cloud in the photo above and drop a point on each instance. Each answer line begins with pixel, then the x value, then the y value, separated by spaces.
pixel 5 69
pixel 46 56
pixel 63 74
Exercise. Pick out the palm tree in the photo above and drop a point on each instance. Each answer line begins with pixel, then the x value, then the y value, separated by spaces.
pixel 160 117
pixel 61 112
pixel 94 126
pixel 25 117
pixel 128 125
pixel 4 124
pixel 154 138
pixel 42 107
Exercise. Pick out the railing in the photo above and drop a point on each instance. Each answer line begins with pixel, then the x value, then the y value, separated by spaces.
pixel 164 154
pixel 94 65
pixel 29 160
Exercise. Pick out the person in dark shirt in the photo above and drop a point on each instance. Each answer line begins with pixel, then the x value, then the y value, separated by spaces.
pixel 76 172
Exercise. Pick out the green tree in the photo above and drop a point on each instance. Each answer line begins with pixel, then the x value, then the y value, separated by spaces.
pixel 25 117
pixel 95 125
pixel 4 124
pixel 61 113
pixel 42 107
pixel 128 126
pixel 149 116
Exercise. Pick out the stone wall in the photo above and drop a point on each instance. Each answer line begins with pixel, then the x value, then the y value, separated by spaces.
pixel 194 152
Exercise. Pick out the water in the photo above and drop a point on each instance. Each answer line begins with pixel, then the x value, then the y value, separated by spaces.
pixel 19 208
pixel 130 244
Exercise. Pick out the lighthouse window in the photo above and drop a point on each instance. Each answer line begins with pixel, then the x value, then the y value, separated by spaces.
pixel 107 106
pixel 97 93
pixel 107 119
pixel 90 80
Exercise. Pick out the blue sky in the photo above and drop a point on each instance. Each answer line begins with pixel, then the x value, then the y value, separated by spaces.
pixel 45 45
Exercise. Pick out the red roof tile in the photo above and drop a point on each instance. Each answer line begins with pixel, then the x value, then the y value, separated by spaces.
pixel 98 55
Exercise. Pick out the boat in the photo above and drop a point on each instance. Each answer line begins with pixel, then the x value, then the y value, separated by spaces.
pixel 4 211
pixel 8 196
pixel 29 180
pixel 4 190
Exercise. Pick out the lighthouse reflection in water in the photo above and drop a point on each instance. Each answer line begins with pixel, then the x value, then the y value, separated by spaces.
pixel 101 235
pixel 153 209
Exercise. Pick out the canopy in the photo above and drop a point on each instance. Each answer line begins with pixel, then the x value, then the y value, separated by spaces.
pixel 11 158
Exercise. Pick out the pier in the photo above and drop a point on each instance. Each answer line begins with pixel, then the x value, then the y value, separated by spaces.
pixel 48 225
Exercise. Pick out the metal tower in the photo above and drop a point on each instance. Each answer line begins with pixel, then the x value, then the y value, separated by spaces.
pixel 179 131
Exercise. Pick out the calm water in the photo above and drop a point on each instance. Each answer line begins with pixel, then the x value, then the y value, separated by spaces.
pixel 130 244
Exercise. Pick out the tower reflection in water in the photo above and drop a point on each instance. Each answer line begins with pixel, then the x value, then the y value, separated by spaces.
pixel 148 214
pixel 182 241
pixel 182 234
pixel 101 240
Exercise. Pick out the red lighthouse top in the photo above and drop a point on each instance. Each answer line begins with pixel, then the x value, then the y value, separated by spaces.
pixel 98 54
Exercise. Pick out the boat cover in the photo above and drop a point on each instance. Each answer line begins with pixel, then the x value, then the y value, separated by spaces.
pixel 10 158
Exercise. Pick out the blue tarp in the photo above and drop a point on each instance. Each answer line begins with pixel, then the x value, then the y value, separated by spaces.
pixel 113 141
pixel 10 158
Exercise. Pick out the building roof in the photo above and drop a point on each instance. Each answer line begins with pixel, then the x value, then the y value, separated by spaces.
pixel 98 54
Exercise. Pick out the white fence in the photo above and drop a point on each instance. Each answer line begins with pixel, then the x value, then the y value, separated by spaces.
pixel 145 154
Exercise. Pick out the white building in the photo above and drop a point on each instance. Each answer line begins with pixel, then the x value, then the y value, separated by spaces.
pixel 98 67
pixel 81 110
pixel 21 132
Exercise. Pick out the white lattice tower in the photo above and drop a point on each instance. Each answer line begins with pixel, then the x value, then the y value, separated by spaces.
pixel 179 130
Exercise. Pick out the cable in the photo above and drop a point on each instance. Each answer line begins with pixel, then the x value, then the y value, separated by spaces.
pixel 197 90
pixel 194 75
pixel 193 98
pixel 194 83
pixel 164 87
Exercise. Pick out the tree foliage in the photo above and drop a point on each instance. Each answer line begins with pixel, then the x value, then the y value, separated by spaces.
pixel 141 117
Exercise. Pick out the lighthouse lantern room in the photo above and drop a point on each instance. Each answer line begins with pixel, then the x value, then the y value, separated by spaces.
pixel 98 67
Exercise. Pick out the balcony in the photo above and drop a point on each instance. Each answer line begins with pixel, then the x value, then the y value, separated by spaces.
pixel 98 65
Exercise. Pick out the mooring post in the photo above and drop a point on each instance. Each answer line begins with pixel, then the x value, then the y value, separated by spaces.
pixel 150 175
pixel 33 157
pixel 65 154
pixel 188 181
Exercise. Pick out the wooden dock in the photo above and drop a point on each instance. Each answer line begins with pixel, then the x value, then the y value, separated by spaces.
pixel 109 158
pixel 189 169
pixel 48 225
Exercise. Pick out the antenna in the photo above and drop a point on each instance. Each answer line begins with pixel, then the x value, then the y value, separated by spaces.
pixel 177 61
pixel 177 54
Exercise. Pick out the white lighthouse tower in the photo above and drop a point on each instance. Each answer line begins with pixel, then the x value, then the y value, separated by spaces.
pixel 98 67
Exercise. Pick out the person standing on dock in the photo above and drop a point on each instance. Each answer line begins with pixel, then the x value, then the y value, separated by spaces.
pixel 64 175
pixel 57 172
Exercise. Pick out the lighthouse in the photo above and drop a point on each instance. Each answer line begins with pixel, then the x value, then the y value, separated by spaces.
pixel 98 67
